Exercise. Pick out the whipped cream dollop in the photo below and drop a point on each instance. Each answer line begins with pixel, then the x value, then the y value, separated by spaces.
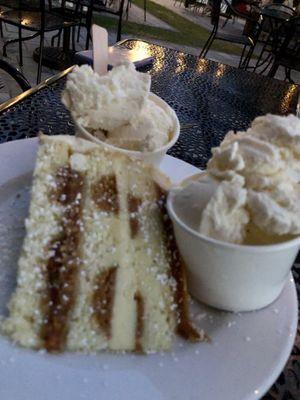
pixel 225 215
pixel 150 131
pixel 105 101
pixel 258 175
pixel 116 107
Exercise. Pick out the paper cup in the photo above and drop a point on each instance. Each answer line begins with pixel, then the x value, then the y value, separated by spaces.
pixel 153 157
pixel 229 276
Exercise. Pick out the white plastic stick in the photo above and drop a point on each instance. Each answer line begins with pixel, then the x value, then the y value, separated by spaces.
pixel 100 49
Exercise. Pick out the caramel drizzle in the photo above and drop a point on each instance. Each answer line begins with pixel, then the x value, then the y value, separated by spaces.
pixel 62 267
pixel 139 327
pixel 133 204
pixel 103 299
pixel 105 194
pixel 183 327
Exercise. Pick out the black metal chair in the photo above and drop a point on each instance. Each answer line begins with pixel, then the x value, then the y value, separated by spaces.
pixel 15 74
pixel 281 8
pixel 144 8
pixel 273 16
pixel 198 6
pixel 32 15
pixel 87 9
pixel 247 38
pixel 113 10
pixel 178 1
pixel 77 10
pixel 286 48
pixel 230 13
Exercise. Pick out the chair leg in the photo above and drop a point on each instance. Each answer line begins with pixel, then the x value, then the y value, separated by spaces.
pixel 79 26
pixel 242 57
pixel 225 22
pixel 88 26
pixel 54 37
pixel 273 70
pixel 268 60
pixel 59 38
pixel 20 46
pixel 257 65
pixel 127 10
pixel 78 33
pixel 73 38
pixel 52 40
pixel 23 39
pixel 88 38
pixel 119 29
pixel 206 48
pixel 39 72
pixel 1 29
pixel 16 74
pixel 208 44
pixel 248 58
pixel 288 75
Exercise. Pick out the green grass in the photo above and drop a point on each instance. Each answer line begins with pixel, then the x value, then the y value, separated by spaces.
pixel 187 33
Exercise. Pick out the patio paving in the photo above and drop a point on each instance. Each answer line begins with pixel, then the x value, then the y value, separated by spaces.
pixel 136 14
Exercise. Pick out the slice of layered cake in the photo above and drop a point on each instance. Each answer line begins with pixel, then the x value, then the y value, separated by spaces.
pixel 99 268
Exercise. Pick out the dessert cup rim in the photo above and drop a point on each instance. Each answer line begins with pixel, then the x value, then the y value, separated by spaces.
pixel 167 146
pixel 240 247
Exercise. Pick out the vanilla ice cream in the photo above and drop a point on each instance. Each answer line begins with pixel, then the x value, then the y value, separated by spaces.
pixel 117 108
pixel 258 183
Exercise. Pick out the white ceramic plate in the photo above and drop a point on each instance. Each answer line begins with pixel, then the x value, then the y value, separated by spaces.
pixel 246 355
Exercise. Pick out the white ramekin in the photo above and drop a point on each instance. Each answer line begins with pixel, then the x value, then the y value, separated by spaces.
pixel 228 276
pixel 153 157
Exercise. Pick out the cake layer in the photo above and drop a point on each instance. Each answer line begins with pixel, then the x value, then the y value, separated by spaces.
pixel 100 268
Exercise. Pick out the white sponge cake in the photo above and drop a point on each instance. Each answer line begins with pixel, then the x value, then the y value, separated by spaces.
pixel 99 268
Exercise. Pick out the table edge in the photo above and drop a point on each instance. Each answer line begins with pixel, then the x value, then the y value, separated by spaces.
pixel 52 79
pixel 49 81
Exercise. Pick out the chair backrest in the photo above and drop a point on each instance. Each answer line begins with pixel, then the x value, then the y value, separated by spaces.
pixel 250 15
pixel 64 5
pixel 282 8
pixel 286 39
pixel 115 6
pixel 15 74
pixel 30 5
pixel 252 20
pixel 74 9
